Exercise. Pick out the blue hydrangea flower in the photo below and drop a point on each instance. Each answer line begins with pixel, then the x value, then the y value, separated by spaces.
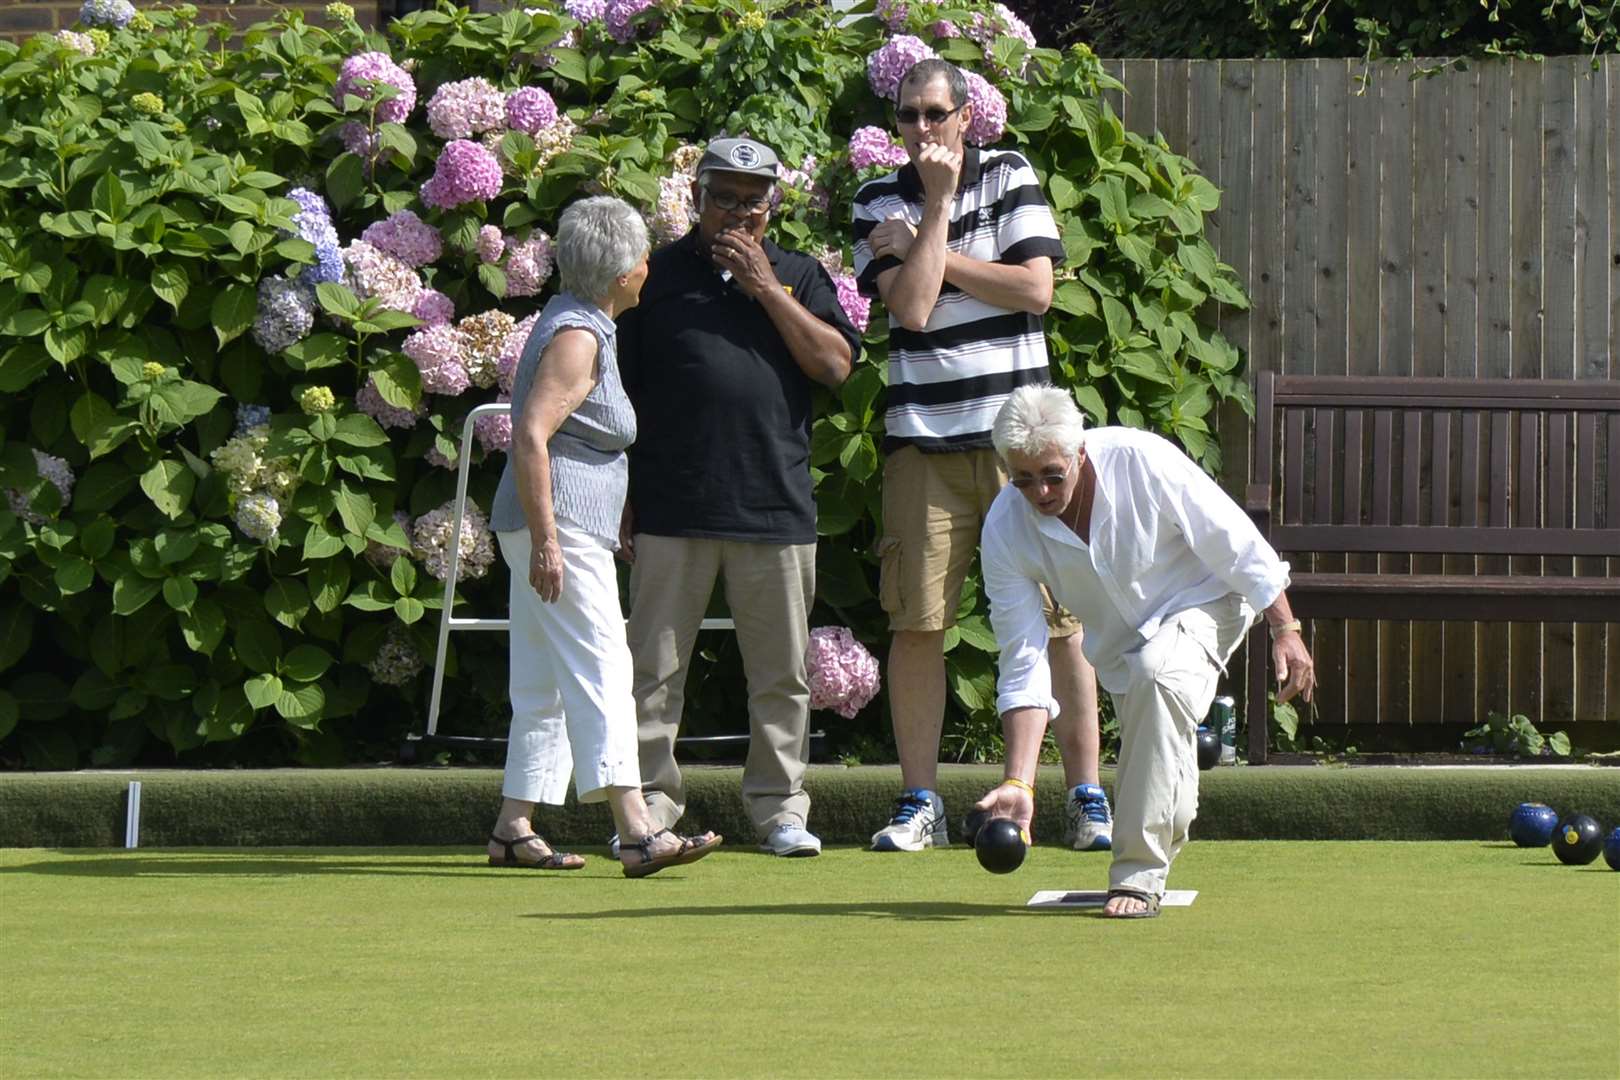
pixel 113 13
pixel 314 223
pixel 286 313
pixel 251 416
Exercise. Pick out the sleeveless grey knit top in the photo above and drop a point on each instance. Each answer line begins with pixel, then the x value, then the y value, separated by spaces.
pixel 589 470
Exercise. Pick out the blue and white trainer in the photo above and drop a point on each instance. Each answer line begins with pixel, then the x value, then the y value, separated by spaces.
pixel 918 822
pixel 1088 823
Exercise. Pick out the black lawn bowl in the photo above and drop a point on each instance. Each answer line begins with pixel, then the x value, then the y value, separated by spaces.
pixel 1577 840
pixel 1209 749
pixel 1001 845
pixel 1611 849
pixel 1532 824
pixel 972 824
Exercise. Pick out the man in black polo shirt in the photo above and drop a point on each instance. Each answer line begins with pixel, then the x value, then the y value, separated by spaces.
pixel 719 360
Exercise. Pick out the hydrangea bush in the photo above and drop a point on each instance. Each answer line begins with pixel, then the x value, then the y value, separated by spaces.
pixel 251 285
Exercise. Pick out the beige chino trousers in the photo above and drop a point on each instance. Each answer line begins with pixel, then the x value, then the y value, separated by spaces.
pixel 1173 682
pixel 769 589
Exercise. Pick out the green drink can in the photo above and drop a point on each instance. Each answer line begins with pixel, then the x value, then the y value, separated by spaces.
pixel 1223 720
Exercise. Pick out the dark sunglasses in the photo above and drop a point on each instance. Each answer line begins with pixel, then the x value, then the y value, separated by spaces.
pixel 908 115
pixel 1045 479
pixel 724 200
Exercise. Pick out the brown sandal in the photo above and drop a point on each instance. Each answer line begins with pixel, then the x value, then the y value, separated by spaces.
pixel 556 860
pixel 691 850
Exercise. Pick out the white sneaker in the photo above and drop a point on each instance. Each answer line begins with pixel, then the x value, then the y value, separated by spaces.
pixel 792 841
pixel 918 822
pixel 1088 823
pixel 613 846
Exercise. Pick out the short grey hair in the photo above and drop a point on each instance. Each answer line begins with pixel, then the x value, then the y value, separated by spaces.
pixel 1038 418
pixel 598 239
pixel 926 71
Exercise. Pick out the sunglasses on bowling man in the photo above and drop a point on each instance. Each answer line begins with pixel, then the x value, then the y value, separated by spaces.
pixel 935 116
pixel 1046 479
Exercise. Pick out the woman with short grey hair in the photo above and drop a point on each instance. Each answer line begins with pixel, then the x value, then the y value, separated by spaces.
pixel 556 515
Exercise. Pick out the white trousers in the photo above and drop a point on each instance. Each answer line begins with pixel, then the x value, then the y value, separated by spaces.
pixel 572 710
pixel 1174 677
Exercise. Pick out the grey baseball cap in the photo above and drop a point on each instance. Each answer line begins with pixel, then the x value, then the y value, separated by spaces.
pixel 739 156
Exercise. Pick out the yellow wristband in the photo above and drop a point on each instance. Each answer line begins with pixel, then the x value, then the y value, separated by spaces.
pixel 1013 781
pixel 1292 626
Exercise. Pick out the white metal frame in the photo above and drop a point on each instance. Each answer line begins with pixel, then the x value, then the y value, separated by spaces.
pixel 447 621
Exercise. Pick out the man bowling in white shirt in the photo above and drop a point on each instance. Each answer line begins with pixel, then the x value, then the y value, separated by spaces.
pixel 1165 572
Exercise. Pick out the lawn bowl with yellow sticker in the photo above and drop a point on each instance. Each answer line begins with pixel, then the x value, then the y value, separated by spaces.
pixel 1001 845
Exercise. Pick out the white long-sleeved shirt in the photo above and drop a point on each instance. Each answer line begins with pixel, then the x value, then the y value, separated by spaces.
pixel 1164 538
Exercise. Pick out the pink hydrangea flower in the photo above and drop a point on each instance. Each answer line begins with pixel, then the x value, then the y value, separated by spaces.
pixel 370 402
pixel 482 339
pixel 512 351
pixel 358 139
pixel 464 173
pixel 842 674
pixel 437 353
pixel 494 430
pixel 872 147
pixel 672 217
pixel 490 244
pixel 462 109
pixel 989 111
pixel 529 264
pixel 530 109
pixel 856 306
pixel 377 67
pixel 439 459
pixel 889 64
pixel 434 308
pixel 1002 23
pixel 406 237
pixel 618 15
pixel 374 273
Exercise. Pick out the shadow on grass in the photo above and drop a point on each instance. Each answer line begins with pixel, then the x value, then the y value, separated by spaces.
pixel 907 910
pixel 278 865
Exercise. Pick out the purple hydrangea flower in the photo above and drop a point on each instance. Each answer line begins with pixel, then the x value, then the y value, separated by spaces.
pixel 989 111
pixel 370 401
pixel 464 173
pixel 113 13
pixel 530 109
pixel 889 64
pixel 893 13
pixel 872 147
pixel 619 14
pixel 433 534
pixel 436 352
pixel 51 468
pixel 529 263
pixel 512 351
pixel 378 68
pixel 377 274
pixel 944 28
pixel 460 110
pixel 856 306
pixel 397 662
pixel 406 237
pixel 494 430
pixel 585 11
pixel 490 244
pixel 434 308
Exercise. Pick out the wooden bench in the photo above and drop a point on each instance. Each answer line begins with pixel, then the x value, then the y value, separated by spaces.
pixel 1516 471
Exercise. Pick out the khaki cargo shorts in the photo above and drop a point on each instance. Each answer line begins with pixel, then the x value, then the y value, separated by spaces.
pixel 933 509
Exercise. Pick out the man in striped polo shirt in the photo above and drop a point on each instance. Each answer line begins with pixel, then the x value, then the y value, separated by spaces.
pixel 959 244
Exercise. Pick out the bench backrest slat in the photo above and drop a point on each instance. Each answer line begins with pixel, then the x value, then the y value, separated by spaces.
pixel 1491 467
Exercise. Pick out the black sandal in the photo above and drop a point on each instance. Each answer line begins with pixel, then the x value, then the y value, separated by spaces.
pixel 556 860
pixel 1152 902
pixel 691 850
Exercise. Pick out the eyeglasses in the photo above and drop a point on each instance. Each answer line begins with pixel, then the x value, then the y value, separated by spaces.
pixel 728 202
pixel 1045 479
pixel 935 116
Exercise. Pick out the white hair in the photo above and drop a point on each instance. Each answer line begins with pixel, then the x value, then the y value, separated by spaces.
pixel 598 239
pixel 1036 419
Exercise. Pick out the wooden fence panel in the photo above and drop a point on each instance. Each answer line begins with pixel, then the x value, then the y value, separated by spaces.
pixel 1466 223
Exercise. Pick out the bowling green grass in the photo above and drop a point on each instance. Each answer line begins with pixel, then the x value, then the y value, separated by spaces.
pixel 1298 959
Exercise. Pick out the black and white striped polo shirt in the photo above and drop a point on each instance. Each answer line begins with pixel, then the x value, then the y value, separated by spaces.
pixel 948 381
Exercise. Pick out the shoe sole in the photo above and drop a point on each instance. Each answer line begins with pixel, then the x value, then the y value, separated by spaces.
pixel 791 853
pixel 889 843
pixel 1102 843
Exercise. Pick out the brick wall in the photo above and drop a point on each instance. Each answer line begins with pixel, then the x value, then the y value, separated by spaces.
pixel 23 18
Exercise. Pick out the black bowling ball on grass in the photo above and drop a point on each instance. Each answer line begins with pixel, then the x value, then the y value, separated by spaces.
pixel 1001 845
pixel 1577 840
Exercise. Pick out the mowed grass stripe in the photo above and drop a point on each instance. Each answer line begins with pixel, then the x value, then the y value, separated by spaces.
pixel 1298 959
